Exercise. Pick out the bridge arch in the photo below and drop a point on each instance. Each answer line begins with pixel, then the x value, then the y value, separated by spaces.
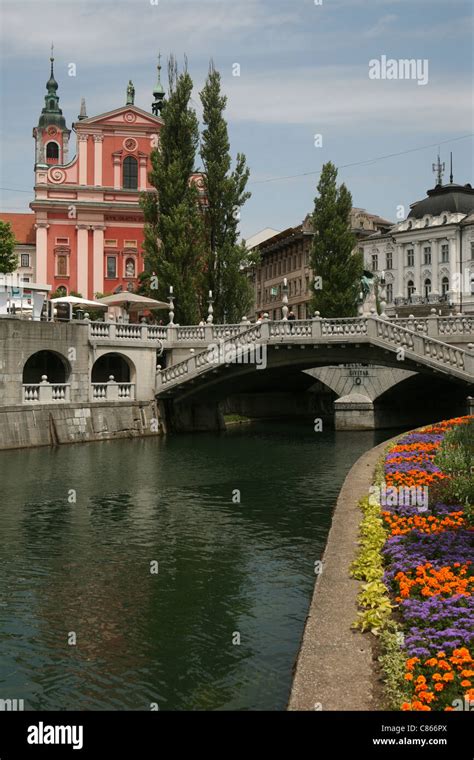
pixel 113 363
pixel 50 363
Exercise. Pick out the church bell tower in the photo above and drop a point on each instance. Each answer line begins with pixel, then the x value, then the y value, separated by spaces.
pixel 51 135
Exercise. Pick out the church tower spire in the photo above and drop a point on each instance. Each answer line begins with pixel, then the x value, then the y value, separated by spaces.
pixel 51 134
pixel 158 92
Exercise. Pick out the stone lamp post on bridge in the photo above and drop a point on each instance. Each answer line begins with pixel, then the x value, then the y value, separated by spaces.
pixel 284 308
pixel 171 307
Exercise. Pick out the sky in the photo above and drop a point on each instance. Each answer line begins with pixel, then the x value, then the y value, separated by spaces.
pixel 303 70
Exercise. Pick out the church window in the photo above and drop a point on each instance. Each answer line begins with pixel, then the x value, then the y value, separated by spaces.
pixel 375 262
pixel 111 267
pixel 444 286
pixel 52 150
pixel 25 259
pixel 130 173
pixel 62 265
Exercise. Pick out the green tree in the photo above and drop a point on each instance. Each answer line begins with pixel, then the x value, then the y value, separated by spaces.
pixel 332 259
pixel 225 195
pixel 8 257
pixel 173 217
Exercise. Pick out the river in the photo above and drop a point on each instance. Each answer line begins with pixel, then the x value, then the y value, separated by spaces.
pixel 170 573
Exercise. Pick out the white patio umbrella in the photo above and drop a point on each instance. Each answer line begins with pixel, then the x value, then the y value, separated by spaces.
pixel 133 302
pixel 76 301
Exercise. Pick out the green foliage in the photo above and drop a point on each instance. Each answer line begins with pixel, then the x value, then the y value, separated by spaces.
pixel 225 195
pixel 368 566
pixel 173 219
pixel 332 258
pixel 393 663
pixel 455 457
pixel 8 257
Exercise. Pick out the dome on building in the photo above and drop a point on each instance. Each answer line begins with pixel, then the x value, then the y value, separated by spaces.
pixel 452 198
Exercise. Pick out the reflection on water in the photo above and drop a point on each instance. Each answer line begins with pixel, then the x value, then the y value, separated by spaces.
pixel 82 526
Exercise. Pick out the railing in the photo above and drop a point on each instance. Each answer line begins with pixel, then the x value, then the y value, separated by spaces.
pixel 122 331
pixel 392 334
pixel 46 393
pixel 112 391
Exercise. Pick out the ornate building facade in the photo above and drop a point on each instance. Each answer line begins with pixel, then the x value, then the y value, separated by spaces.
pixel 286 254
pixel 427 260
pixel 89 224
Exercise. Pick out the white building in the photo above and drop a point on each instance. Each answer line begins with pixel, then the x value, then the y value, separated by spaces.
pixel 428 258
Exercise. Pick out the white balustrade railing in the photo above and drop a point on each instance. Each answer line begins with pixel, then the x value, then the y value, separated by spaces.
pixel 46 393
pixel 112 391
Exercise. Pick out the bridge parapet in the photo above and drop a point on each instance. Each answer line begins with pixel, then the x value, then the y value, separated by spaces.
pixel 392 337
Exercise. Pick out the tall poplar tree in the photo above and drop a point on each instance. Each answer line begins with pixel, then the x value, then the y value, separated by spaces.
pixel 225 195
pixel 332 258
pixel 173 216
pixel 8 257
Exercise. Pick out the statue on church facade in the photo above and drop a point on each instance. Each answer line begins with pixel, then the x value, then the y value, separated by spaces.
pixel 130 93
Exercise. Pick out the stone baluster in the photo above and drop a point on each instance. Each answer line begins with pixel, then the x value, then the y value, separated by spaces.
pixel 45 391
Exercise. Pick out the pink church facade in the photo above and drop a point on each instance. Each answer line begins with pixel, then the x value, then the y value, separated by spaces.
pixel 89 224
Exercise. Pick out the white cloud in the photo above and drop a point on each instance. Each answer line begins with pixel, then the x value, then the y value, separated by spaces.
pixel 335 97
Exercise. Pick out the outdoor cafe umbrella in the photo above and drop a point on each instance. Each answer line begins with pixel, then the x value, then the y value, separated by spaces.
pixel 76 301
pixel 133 302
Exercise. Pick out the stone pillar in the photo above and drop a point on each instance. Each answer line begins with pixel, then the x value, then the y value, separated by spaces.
pixel 142 173
pixel 41 270
pixel 83 259
pixel 354 412
pixel 435 266
pixel 117 167
pixel 82 150
pixel 454 276
pixel 98 258
pixel 400 269
pixel 418 246
pixel 98 140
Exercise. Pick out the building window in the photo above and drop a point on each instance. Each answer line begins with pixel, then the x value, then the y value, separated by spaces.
pixel 444 286
pixel 375 262
pixel 61 291
pixel 62 241
pixel 389 291
pixel 52 151
pixel 389 260
pixel 427 255
pixel 130 268
pixel 410 257
pixel 62 265
pixel 130 173
pixel 472 250
pixel 445 253
pixel 410 288
pixel 26 279
pixel 129 243
pixel 427 287
pixel 111 267
pixel 25 259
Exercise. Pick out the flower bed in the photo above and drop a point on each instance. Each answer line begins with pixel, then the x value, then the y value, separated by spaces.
pixel 417 560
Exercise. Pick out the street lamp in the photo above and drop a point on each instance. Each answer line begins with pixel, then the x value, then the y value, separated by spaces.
pixel 284 308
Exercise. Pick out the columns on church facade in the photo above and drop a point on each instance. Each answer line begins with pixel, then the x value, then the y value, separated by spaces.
pixel 98 258
pixel 98 140
pixel 82 151
pixel 142 174
pixel 83 259
pixel 117 167
pixel 41 274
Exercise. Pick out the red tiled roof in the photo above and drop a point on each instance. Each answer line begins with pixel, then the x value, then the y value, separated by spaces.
pixel 22 226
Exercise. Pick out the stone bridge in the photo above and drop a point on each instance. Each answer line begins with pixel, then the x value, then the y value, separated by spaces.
pixel 192 387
